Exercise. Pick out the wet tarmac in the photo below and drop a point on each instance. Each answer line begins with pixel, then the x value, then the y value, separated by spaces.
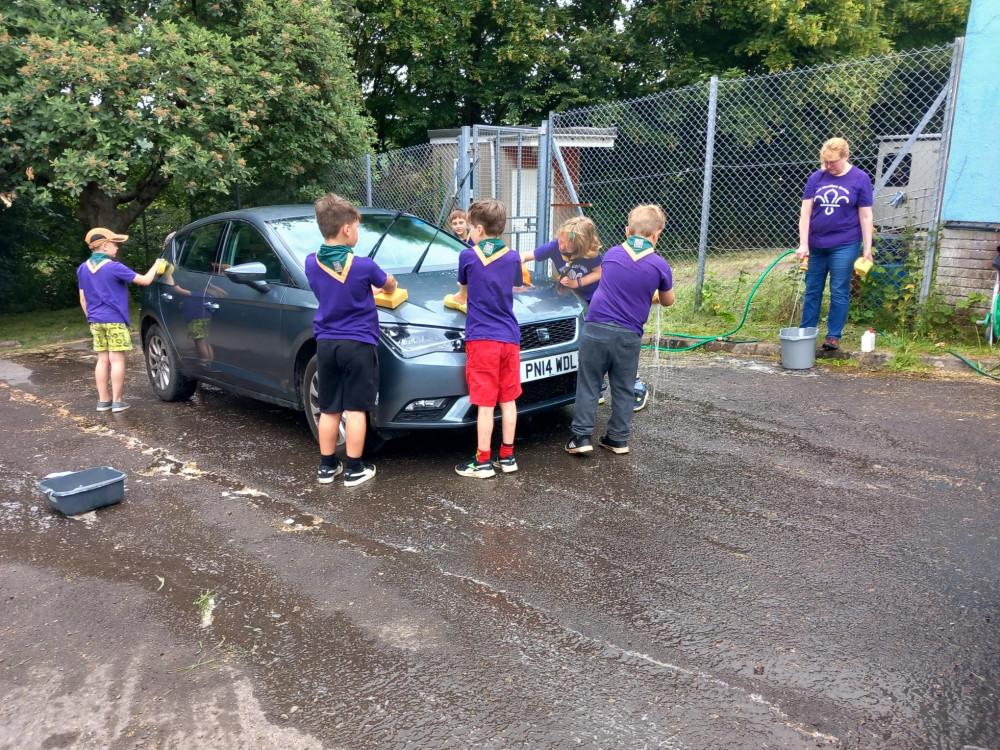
pixel 784 560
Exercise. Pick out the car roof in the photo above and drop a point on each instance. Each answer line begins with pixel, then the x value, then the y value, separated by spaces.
pixel 272 213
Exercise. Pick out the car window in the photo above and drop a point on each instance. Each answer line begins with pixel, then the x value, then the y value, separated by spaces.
pixel 398 253
pixel 246 245
pixel 197 253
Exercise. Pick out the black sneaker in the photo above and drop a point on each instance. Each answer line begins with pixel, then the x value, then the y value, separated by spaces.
pixel 506 465
pixel 326 474
pixel 366 472
pixel 579 444
pixel 615 446
pixel 476 469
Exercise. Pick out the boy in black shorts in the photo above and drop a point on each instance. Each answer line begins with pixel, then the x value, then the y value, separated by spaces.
pixel 346 330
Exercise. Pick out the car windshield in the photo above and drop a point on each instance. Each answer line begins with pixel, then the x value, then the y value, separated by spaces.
pixel 399 251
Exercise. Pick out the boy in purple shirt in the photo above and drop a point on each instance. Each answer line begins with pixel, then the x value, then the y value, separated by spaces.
pixel 487 275
pixel 346 330
pixel 103 285
pixel 612 334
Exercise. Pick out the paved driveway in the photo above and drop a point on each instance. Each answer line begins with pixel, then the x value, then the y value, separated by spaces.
pixel 785 560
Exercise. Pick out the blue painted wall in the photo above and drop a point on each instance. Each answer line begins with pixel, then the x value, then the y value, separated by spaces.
pixel 972 190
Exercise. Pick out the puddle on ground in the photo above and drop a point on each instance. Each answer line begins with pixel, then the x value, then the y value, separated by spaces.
pixel 13 373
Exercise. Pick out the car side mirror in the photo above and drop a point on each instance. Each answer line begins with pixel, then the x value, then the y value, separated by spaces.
pixel 252 274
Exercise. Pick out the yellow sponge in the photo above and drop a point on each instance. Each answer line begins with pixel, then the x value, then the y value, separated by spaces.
pixel 449 301
pixel 392 301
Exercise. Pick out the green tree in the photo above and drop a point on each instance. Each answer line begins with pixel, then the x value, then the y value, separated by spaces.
pixel 109 101
pixel 425 65
pixel 681 41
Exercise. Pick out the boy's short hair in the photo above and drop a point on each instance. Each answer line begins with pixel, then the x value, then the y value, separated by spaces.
pixel 581 236
pixel 457 214
pixel 491 214
pixel 332 212
pixel 646 220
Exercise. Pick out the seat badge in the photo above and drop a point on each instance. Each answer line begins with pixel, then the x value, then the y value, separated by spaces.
pixel 543 334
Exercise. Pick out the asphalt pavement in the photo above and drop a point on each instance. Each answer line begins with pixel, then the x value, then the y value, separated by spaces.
pixel 783 560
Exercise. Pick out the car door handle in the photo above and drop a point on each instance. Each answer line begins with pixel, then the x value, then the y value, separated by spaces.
pixel 167 297
pixel 212 305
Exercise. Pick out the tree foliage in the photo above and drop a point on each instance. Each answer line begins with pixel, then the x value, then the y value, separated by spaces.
pixel 108 102
pixel 424 65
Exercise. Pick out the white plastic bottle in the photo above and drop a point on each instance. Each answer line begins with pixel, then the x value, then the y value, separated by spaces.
pixel 868 341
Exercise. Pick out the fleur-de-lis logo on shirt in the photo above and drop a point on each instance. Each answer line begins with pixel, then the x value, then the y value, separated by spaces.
pixel 831 196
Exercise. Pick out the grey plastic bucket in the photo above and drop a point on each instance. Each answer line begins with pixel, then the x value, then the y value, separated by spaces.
pixel 798 348
pixel 76 492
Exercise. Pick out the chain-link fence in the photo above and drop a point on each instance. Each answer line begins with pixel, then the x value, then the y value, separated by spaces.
pixel 728 161
pixel 420 179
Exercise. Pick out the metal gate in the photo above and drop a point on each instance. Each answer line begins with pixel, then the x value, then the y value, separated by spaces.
pixel 505 166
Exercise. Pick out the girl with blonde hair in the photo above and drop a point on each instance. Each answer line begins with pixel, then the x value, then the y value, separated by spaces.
pixel 575 253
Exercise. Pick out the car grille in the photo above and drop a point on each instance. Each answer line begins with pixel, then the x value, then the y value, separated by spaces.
pixel 536 391
pixel 548 333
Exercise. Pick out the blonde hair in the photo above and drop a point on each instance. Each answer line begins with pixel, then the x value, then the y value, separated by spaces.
pixel 580 235
pixel 490 214
pixel 834 147
pixel 333 212
pixel 646 220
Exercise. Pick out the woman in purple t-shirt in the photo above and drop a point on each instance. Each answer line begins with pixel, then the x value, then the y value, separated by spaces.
pixel 835 226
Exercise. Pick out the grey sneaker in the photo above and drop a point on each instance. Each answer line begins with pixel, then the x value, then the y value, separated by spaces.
pixel 579 444
pixel 326 474
pixel 103 406
pixel 640 394
pixel 506 465
pixel 117 406
pixel 615 446
pixel 478 470
pixel 352 478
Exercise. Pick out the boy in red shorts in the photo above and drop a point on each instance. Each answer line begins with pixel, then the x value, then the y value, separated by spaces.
pixel 487 275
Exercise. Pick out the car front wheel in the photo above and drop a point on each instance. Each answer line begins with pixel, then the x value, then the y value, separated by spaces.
pixel 162 368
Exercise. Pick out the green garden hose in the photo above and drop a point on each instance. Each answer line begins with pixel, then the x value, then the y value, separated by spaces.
pixel 702 340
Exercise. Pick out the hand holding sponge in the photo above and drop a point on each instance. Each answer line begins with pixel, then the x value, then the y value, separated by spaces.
pixel 451 303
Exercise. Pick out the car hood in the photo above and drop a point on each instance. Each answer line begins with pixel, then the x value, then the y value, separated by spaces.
pixel 425 302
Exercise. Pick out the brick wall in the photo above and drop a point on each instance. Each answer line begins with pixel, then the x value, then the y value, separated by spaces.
pixel 965 262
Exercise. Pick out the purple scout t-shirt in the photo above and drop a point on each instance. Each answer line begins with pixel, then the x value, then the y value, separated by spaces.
pixel 490 304
pixel 625 293
pixel 836 200
pixel 106 291
pixel 346 308
pixel 573 269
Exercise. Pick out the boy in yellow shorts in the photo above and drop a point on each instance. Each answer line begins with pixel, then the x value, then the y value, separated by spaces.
pixel 103 285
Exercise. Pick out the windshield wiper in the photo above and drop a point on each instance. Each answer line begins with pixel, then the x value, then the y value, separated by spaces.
pixel 437 230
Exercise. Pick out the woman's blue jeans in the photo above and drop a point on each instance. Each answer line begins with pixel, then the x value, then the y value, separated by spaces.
pixel 839 263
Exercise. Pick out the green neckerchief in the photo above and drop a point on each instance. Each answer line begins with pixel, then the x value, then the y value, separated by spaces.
pixel 333 256
pixel 638 244
pixel 491 246
pixel 98 258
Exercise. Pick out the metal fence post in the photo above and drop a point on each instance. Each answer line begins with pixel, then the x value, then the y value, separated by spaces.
pixel 544 168
pixel 949 119
pixel 464 138
pixel 706 188
pixel 368 180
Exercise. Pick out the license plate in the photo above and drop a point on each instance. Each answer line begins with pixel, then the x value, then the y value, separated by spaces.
pixel 547 367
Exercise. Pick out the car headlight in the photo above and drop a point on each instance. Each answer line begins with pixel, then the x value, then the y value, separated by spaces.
pixel 415 341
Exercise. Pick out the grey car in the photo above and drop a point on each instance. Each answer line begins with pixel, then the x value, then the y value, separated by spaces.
pixel 235 310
